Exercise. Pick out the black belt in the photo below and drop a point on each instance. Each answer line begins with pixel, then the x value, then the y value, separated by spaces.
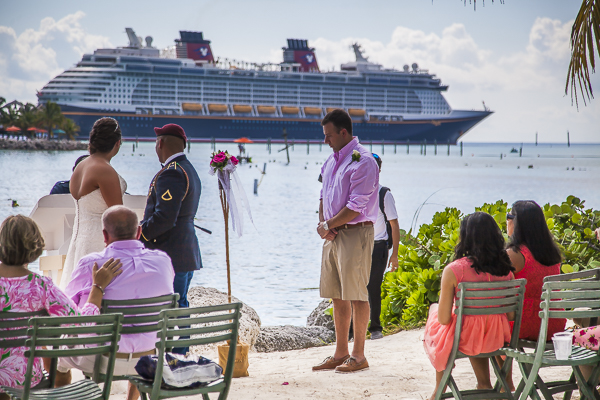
pixel 381 241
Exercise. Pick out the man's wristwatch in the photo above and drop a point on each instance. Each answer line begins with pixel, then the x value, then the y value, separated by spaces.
pixel 325 226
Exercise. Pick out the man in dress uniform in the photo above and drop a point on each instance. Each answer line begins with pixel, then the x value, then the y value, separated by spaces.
pixel 172 204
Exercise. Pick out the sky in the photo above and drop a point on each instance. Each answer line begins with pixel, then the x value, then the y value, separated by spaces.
pixel 513 56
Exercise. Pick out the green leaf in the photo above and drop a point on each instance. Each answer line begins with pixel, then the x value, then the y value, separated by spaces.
pixel 576 218
pixel 566 269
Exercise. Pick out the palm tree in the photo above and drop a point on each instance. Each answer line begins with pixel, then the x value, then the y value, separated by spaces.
pixel 27 118
pixel 585 34
pixel 71 128
pixel 50 117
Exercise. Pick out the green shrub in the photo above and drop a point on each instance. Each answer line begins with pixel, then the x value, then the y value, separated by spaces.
pixel 408 292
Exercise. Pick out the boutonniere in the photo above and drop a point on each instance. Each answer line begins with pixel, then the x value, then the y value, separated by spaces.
pixel 355 156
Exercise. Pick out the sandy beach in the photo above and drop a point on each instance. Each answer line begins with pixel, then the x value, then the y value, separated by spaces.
pixel 399 369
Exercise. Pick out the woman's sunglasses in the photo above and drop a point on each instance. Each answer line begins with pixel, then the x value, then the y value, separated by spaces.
pixel 510 216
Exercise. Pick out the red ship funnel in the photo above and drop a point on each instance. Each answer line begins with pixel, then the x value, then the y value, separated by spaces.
pixel 298 52
pixel 192 45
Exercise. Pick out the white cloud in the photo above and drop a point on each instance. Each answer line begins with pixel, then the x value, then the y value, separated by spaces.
pixel 525 88
pixel 32 58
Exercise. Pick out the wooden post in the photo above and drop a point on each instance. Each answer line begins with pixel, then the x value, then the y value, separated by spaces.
pixel 435 147
pixel 568 139
pixel 425 147
pixel 287 148
pixel 536 135
pixel 382 147
pixel 448 146
pixel 307 146
pixel 269 145
pixel 189 145
pixel 371 145
pixel 461 149
pixel 407 146
pixel 395 143
pixel 225 208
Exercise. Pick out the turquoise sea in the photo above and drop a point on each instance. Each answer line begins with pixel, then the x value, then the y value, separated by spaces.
pixel 276 263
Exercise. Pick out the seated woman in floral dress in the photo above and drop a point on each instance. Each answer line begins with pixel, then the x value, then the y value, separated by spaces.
pixel 24 291
pixel 479 257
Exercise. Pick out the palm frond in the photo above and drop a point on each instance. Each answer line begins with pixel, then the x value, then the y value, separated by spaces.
pixel 585 35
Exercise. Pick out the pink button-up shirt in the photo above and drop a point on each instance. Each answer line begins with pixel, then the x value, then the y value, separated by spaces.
pixel 351 184
pixel 146 273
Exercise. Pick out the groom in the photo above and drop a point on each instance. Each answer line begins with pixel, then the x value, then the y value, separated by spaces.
pixel 171 206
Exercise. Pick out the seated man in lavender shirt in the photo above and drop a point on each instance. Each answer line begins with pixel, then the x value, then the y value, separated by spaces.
pixel 145 273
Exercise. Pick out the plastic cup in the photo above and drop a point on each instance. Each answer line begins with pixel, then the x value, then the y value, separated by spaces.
pixel 562 345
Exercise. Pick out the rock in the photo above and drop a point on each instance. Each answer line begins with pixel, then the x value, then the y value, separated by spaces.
pixel 249 320
pixel 318 318
pixel 42 144
pixel 288 337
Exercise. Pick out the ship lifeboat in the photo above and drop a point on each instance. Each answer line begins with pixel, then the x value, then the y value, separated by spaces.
pixel 219 108
pixel 191 107
pixel 242 109
pixel 289 110
pixel 266 109
pixel 312 110
pixel 356 112
pixel 330 109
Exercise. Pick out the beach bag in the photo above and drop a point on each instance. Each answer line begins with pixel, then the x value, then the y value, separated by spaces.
pixel 388 226
pixel 180 371
pixel 241 364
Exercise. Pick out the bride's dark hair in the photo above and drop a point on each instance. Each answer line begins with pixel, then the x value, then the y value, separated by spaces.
pixel 105 133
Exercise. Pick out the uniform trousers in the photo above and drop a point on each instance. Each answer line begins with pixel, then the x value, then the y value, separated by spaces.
pixel 181 284
pixel 378 266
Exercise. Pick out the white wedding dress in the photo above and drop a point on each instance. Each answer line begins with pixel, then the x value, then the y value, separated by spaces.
pixel 87 230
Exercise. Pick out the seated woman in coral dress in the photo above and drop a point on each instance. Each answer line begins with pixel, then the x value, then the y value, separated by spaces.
pixel 23 291
pixel 480 256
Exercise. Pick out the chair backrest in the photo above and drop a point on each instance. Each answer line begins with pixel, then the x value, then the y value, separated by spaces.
pixel 587 275
pixel 490 298
pixel 204 325
pixel 559 300
pixel 140 315
pixel 14 326
pixel 84 336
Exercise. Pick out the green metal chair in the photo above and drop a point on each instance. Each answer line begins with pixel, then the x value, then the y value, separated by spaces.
pixel 139 316
pixel 206 325
pixel 548 389
pixel 99 334
pixel 484 298
pixel 559 299
pixel 14 334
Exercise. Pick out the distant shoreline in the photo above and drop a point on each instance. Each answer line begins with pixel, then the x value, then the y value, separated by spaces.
pixel 42 144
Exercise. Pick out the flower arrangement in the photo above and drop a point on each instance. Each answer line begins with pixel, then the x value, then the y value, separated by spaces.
pixel 220 159
pixel 355 156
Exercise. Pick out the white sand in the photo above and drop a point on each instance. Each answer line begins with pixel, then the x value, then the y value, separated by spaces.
pixel 399 369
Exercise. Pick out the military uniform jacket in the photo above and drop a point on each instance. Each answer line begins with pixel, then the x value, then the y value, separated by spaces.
pixel 168 223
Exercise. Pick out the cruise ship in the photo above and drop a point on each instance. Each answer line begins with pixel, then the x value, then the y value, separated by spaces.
pixel 222 99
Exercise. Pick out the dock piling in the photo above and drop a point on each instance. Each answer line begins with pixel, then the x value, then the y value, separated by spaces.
pixel 395 144
pixel 435 147
pixel 448 147
pixel 424 147
pixel 269 145
pixel 461 149
pixel 407 146
pixel 307 146
pixel 382 147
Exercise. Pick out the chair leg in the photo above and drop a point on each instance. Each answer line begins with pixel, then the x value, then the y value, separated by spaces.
pixel 144 395
pixel 529 375
pixel 444 382
pixel 584 388
pixel 205 396
pixel 501 382
pixel 569 393
pixel 454 388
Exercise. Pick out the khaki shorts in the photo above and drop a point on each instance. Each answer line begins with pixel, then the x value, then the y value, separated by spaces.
pixel 346 264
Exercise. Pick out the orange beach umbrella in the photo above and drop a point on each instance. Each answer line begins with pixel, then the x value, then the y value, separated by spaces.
pixel 33 128
pixel 13 129
pixel 243 140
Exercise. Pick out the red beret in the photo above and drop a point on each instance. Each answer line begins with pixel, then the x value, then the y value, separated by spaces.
pixel 171 130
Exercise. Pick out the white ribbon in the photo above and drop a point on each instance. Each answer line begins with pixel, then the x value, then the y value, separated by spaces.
pixel 235 196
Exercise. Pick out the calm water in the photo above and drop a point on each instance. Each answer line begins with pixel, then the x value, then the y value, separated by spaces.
pixel 275 266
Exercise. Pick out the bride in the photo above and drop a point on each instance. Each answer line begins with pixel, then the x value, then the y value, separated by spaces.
pixel 95 186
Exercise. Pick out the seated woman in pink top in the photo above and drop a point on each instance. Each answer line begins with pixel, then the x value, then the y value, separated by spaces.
pixel 479 257
pixel 23 291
